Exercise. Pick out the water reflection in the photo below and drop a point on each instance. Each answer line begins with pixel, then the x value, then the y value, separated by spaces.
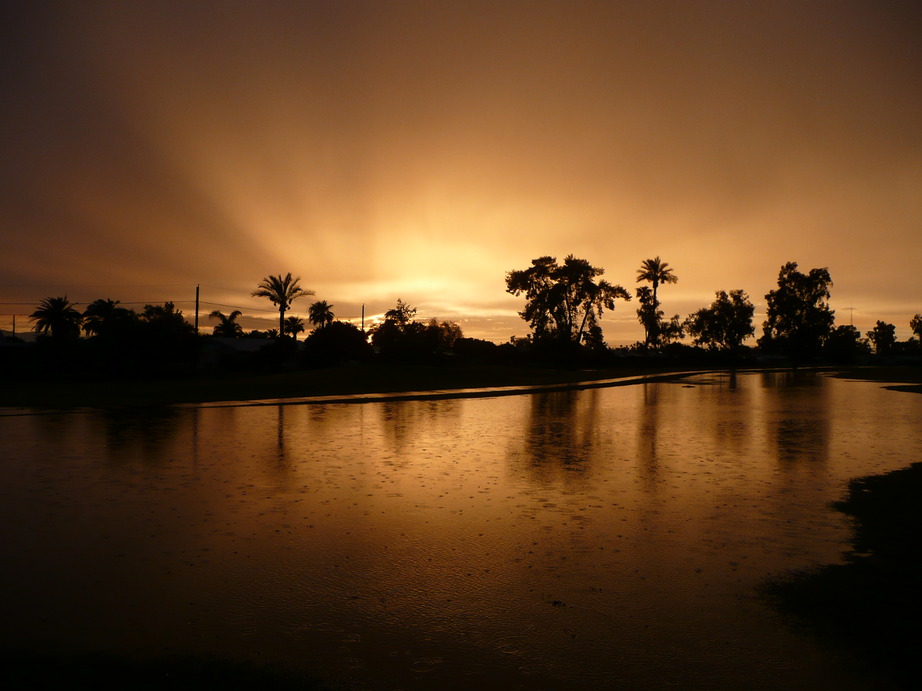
pixel 648 435
pixel 404 421
pixel 799 417
pixel 142 432
pixel 575 539
pixel 560 432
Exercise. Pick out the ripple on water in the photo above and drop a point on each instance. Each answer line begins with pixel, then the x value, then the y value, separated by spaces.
pixel 425 664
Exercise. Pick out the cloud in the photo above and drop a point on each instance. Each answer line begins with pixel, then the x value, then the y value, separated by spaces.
pixel 421 150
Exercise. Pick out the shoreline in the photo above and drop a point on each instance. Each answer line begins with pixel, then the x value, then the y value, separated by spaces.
pixel 363 383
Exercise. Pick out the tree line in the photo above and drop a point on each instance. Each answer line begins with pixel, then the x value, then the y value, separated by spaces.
pixel 564 305
pixel 158 340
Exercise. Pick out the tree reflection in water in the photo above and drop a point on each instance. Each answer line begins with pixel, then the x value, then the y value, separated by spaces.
pixel 798 424
pixel 561 430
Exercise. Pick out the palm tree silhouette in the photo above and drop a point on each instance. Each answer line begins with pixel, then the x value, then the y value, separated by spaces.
pixel 228 326
pixel 294 326
pixel 320 313
pixel 655 271
pixel 58 317
pixel 104 317
pixel 281 292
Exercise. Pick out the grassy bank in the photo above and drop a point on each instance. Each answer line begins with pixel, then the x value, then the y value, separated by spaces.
pixel 333 381
pixel 347 380
pixel 908 376
pixel 871 604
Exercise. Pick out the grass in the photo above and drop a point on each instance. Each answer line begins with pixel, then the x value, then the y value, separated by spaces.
pixel 333 381
pixel 909 376
pixel 347 380
pixel 870 605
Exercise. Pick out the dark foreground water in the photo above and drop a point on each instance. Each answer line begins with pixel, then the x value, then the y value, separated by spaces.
pixel 608 538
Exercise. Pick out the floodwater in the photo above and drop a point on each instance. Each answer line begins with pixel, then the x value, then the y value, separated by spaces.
pixel 594 539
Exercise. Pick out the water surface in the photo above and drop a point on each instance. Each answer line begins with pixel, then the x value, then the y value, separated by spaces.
pixel 601 538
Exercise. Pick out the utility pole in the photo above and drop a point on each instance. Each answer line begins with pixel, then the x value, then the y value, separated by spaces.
pixel 196 308
pixel 363 318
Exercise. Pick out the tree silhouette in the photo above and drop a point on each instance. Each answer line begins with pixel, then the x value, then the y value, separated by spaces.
pixel 336 342
pixel 104 318
pixel 799 319
pixel 447 334
pixel 166 339
pixel 58 317
pixel 165 321
pixel 562 301
pixel 320 314
pixel 391 336
pixel 651 318
pixel 401 337
pixel 227 327
pixel 916 325
pixel 402 314
pixel 294 326
pixel 883 336
pixel 281 292
pixel 725 324
pixel 655 271
pixel 845 344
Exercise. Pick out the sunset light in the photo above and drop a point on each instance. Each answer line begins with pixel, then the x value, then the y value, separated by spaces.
pixel 385 150
pixel 567 345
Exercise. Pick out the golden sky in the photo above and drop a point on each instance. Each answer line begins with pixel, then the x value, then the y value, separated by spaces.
pixel 422 149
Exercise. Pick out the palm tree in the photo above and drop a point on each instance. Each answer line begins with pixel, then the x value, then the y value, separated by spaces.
pixel 281 292
pixel 654 271
pixel 320 313
pixel 58 317
pixel 294 326
pixel 228 326
pixel 103 317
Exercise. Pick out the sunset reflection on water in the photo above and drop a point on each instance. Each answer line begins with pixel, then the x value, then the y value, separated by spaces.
pixel 572 539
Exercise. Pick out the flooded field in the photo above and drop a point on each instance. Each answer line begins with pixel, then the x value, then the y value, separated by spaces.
pixel 595 539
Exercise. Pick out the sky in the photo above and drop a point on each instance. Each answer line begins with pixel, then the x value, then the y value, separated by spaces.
pixel 421 150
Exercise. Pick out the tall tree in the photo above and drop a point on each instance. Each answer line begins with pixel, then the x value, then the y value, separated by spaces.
pixel 320 314
pixel 725 324
pixel 655 271
pixel 649 315
pixel 799 318
pixel 227 326
pixel 281 292
pixel 58 317
pixel 563 302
